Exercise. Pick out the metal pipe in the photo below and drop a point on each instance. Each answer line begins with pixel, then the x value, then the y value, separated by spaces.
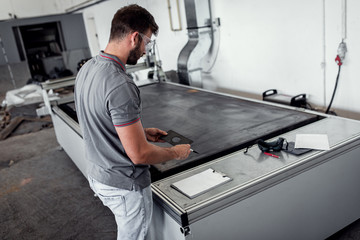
pixel 323 64
pixel 170 17
pixel 200 31
pixel 7 63
pixel 80 6
pixel 344 19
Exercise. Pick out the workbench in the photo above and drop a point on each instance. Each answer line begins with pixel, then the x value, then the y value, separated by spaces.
pixel 310 196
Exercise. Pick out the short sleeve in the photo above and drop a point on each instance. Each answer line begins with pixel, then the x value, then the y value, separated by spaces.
pixel 124 105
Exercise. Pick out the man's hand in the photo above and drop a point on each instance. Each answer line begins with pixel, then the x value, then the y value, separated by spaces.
pixel 134 140
pixel 182 151
pixel 154 134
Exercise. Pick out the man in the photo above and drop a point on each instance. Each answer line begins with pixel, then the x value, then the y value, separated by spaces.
pixel 108 107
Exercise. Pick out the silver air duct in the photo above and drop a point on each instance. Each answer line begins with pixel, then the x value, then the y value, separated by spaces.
pixel 200 31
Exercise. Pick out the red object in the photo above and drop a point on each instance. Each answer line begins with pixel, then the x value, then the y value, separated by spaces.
pixel 338 60
pixel 271 155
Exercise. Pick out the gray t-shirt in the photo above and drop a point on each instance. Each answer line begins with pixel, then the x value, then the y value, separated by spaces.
pixel 105 98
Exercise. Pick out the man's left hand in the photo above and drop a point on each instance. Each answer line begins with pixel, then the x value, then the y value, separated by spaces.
pixel 154 134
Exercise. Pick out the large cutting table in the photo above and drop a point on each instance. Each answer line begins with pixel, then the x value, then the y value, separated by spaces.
pixel 310 196
pixel 218 124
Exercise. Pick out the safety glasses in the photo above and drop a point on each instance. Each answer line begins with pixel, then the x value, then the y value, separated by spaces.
pixel 147 41
pixel 275 146
pixel 272 146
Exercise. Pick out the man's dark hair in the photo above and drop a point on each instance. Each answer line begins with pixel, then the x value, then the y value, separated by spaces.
pixel 132 18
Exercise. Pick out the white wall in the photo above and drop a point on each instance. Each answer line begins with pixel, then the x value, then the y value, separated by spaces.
pixel 5 9
pixel 270 44
pixel 28 8
pixel 281 44
pixel 36 8
pixel 169 43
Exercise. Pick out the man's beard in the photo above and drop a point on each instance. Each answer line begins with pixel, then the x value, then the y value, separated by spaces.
pixel 134 55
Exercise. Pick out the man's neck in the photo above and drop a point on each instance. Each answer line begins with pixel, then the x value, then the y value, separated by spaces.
pixel 117 49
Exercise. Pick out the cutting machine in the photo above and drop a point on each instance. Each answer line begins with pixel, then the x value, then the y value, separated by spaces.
pixel 308 196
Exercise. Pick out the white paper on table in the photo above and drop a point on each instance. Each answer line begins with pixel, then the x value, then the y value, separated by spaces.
pixel 200 183
pixel 312 141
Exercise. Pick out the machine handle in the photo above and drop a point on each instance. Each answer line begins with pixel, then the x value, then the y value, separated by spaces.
pixel 298 100
pixel 269 93
pixel 297 97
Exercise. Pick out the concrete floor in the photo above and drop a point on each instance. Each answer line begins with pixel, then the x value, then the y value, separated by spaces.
pixel 44 196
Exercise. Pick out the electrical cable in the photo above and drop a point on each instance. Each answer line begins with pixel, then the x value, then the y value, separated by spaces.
pixel 308 106
pixel 336 83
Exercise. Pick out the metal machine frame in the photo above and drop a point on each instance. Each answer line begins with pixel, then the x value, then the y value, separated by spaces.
pixel 310 196
pixel 307 197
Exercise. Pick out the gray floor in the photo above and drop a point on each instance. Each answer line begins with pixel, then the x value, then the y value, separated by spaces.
pixel 44 196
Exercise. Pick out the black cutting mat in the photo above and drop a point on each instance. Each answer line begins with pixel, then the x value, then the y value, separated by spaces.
pixel 217 124
pixel 175 138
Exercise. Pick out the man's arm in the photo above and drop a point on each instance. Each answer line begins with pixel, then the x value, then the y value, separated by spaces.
pixel 140 151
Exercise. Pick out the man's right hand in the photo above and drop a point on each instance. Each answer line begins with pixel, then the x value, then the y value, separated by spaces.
pixel 140 151
pixel 182 151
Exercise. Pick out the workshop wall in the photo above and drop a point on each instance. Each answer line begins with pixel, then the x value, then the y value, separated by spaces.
pixel 12 9
pixel 286 45
pixel 289 46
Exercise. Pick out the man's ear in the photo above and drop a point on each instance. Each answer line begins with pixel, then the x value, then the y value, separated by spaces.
pixel 134 38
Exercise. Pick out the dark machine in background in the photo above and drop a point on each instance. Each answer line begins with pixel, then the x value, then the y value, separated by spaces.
pixel 42 46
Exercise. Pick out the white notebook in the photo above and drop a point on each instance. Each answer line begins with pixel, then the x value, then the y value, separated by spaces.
pixel 200 183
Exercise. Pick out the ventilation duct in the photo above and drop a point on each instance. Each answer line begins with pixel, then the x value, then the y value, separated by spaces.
pixel 200 32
